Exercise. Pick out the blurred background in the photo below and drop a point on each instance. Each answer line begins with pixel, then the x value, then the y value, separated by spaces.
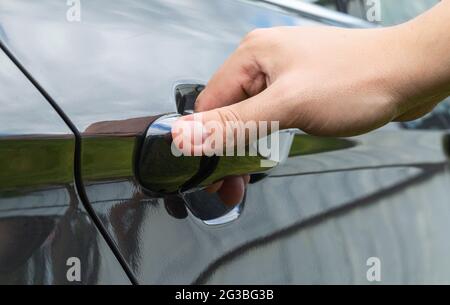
pixel 392 11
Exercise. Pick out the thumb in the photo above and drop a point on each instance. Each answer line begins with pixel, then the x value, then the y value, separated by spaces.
pixel 221 129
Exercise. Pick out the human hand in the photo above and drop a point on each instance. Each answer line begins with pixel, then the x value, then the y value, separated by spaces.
pixel 325 81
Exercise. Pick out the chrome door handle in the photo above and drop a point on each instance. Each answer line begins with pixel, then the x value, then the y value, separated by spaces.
pixel 161 172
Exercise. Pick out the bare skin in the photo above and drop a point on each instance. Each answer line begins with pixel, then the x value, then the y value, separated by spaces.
pixel 330 81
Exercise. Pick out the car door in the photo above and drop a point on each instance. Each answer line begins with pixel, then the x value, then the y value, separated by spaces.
pixel 46 235
pixel 317 218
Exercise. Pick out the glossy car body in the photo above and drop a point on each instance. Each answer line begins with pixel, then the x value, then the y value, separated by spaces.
pixel 77 98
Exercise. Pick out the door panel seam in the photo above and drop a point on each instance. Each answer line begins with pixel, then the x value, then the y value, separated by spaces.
pixel 77 165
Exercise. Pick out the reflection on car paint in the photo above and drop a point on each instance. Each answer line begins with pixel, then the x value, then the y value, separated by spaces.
pixel 42 221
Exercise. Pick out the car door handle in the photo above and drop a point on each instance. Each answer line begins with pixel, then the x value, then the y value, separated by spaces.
pixel 161 172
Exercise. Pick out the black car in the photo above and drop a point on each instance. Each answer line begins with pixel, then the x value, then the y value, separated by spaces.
pixel 80 84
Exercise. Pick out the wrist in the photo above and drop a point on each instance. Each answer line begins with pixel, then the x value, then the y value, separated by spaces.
pixel 422 60
pixel 395 69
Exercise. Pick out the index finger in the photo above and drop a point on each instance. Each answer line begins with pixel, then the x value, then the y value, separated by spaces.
pixel 237 79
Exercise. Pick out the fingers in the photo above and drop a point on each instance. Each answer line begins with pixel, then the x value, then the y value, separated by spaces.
pixel 214 187
pixel 235 94
pixel 210 131
pixel 237 79
pixel 232 190
pixel 227 191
